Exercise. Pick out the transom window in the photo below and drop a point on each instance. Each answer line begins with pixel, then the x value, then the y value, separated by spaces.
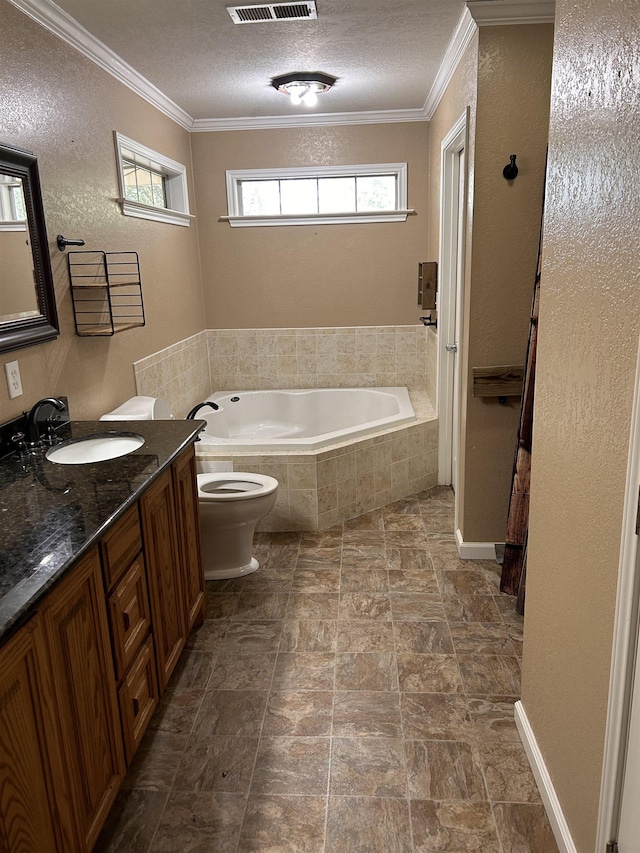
pixel 152 186
pixel 299 196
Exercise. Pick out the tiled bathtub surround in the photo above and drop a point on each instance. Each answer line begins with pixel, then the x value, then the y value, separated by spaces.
pixel 178 374
pixel 318 490
pixel 343 357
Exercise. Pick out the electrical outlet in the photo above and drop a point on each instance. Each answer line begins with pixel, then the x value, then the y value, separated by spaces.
pixel 14 383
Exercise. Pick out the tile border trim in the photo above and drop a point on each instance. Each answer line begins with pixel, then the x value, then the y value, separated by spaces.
pixel 550 799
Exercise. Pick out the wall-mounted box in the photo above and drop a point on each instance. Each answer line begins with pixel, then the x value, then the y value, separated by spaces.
pixel 427 285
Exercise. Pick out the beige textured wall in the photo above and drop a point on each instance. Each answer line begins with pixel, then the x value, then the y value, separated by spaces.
pixel 589 326
pixel 514 82
pixel 299 276
pixel 64 108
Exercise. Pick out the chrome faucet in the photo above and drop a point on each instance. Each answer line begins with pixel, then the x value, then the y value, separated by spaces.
pixel 32 419
pixel 197 408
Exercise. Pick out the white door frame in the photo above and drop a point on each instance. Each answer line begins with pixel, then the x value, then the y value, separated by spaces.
pixel 449 297
pixel 625 635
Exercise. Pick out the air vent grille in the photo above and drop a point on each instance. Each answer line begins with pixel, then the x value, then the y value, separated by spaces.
pixel 273 12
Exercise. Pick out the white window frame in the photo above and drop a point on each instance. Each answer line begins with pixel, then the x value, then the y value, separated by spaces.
pixel 238 220
pixel 7 223
pixel 175 185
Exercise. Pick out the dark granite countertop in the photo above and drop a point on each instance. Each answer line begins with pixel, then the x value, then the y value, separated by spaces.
pixel 51 514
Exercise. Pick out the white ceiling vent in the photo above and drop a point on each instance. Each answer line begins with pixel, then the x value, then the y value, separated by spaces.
pixel 273 12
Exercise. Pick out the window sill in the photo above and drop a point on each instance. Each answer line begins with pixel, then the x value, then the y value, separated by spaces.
pixel 157 214
pixel 319 219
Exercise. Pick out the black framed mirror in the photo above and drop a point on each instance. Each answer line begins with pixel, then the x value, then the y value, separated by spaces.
pixel 28 312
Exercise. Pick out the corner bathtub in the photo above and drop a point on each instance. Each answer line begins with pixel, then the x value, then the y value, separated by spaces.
pixel 301 419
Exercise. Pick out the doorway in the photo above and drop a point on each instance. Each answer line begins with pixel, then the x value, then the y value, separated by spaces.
pixel 453 194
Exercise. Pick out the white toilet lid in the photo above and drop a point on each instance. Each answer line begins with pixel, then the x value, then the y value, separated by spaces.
pixel 234 486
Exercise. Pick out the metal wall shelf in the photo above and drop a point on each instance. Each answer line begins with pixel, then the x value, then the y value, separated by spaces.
pixel 106 292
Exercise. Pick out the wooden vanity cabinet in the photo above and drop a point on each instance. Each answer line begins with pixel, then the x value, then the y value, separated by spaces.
pixel 30 768
pixel 185 488
pixel 79 682
pixel 77 636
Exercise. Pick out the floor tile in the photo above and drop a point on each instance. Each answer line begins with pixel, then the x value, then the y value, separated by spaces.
pixel 231 712
pixel 177 711
pixel 453 827
pixel 487 674
pixel 258 605
pixel 435 716
pixel 444 770
pixel 217 764
pixel 423 637
pixel 372 555
pixel 368 521
pixel 367 824
pixel 156 761
pixel 484 638
pixel 428 673
pixel 368 580
pixel 370 671
pixel 406 538
pixel 312 605
pixel 471 608
pixel 271 579
pixel 368 767
pixel 200 822
pixel 492 718
pixel 321 539
pixel 410 606
pixel 364 605
pixel 208 637
pixel 316 580
pixel 298 713
pixel 413 580
pixel 132 822
pixel 524 827
pixel 308 635
pixel 261 636
pixel 406 506
pixel 361 714
pixel 508 774
pixel 319 558
pixel 304 671
pixel 283 824
pixel 240 670
pixel 463 582
pixel 365 635
pixel 291 766
pixel 403 522
pixel 221 605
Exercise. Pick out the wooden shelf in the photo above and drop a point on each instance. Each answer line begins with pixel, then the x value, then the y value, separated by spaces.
pixel 504 380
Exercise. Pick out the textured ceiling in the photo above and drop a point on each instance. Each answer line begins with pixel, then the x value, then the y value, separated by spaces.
pixel 385 53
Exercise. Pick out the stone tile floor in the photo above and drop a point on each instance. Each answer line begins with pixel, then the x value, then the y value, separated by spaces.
pixel 354 694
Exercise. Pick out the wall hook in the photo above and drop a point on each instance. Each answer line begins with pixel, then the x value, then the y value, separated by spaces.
pixel 63 242
pixel 429 321
pixel 510 171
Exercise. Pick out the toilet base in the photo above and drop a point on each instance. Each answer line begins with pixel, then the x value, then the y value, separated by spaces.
pixel 224 574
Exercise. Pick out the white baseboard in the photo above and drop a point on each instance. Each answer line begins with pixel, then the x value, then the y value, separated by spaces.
pixel 475 550
pixel 545 785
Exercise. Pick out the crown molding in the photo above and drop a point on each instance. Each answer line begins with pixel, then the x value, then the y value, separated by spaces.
pixel 500 12
pixel 58 22
pixel 203 125
pixel 460 41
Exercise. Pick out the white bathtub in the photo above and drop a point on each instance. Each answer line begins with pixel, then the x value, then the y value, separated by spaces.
pixel 301 420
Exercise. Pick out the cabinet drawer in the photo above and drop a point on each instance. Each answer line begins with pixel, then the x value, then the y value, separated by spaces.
pixel 129 616
pixel 138 697
pixel 120 545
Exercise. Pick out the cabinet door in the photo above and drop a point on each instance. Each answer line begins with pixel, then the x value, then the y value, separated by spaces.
pixel 28 819
pixel 186 494
pixel 162 559
pixel 75 621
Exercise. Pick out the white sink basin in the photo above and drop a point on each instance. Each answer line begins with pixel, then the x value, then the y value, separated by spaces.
pixel 94 448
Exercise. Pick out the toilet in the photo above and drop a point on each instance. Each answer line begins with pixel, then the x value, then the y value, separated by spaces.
pixel 231 502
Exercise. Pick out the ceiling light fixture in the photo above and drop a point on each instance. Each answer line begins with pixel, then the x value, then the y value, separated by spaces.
pixel 303 87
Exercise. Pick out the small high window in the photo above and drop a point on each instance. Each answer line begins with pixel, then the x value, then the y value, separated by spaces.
pixel 152 186
pixel 317 195
pixel 13 213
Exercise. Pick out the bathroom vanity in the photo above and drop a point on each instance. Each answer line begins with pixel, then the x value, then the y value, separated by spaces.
pixel 100 583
